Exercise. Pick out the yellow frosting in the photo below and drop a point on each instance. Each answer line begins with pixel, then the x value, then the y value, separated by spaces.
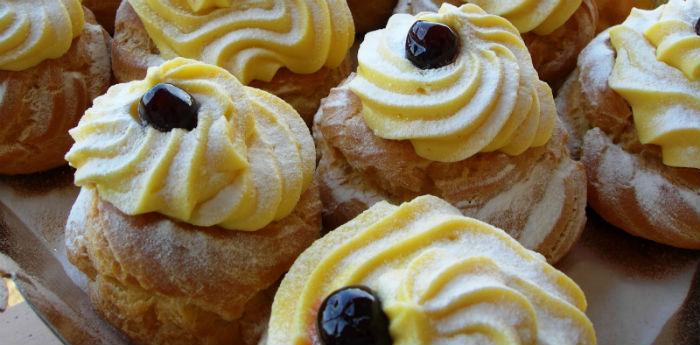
pixel 34 31
pixel 442 279
pixel 245 165
pixel 489 99
pixel 203 5
pixel 675 39
pixel 540 16
pixel 251 38
pixel 655 71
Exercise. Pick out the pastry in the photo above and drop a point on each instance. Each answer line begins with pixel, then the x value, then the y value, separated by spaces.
pixel 196 196
pixel 555 31
pixel 370 15
pixel 105 11
pixel 632 107
pixel 297 50
pixel 49 75
pixel 613 12
pixel 421 274
pixel 435 117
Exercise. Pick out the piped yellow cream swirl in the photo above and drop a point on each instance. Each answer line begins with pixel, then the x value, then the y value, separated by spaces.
pixel 34 31
pixel 442 279
pixel 245 165
pixel 489 99
pixel 252 39
pixel 539 16
pixel 656 71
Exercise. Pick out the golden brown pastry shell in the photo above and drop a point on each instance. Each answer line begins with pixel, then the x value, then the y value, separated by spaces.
pixel 538 197
pixel 105 12
pixel 370 15
pixel 554 55
pixel 613 12
pixel 40 104
pixel 628 184
pixel 133 52
pixel 167 282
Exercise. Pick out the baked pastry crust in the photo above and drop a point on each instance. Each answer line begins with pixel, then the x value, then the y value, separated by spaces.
pixel 613 12
pixel 628 185
pixel 167 282
pixel 554 55
pixel 40 104
pixel 105 12
pixel 370 15
pixel 538 197
pixel 133 52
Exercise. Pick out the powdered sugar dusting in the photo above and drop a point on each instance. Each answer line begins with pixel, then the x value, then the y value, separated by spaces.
pixel 424 260
pixel 244 165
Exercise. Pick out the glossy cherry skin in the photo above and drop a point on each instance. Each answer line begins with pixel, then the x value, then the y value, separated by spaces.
pixel 353 316
pixel 166 107
pixel 431 45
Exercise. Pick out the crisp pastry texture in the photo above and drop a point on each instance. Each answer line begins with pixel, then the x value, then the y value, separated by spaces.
pixel 45 87
pixel 167 282
pixel 538 197
pixel 295 51
pixel 613 12
pixel 163 223
pixel 634 185
pixel 442 278
pixel 484 139
pixel 370 15
pixel 252 149
pixel 489 99
pixel 554 31
pixel 105 11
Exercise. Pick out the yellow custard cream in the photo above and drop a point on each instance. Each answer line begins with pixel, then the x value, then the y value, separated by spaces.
pixel 489 99
pixel 252 39
pixel 37 30
pixel 245 164
pixel 657 71
pixel 442 278
pixel 539 16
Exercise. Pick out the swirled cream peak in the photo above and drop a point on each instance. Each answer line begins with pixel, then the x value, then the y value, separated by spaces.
pixel 654 71
pixel 489 99
pixel 252 39
pixel 540 16
pixel 675 38
pixel 34 31
pixel 245 165
pixel 442 279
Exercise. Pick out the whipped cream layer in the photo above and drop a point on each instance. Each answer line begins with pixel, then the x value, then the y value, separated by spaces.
pixel 252 39
pixel 245 164
pixel 442 279
pixel 37 30
pixel 489 99
pixel 656 69
pixel 539 16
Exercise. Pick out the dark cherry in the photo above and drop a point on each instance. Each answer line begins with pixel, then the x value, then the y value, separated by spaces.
pixel 431 45
pixel 353 316
pixel 166 107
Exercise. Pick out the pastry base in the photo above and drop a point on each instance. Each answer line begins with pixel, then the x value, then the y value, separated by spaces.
pixel 40 104
pixel 628 185
pixel 166 282
pixel 538 197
